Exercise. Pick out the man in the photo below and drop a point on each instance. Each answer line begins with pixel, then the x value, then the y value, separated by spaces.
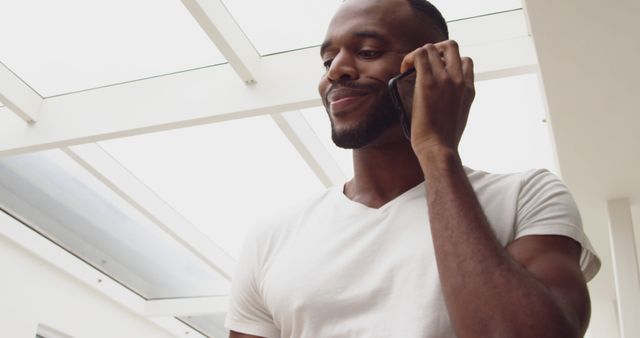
pixel 415 245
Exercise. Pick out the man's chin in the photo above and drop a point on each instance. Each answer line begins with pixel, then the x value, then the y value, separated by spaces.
pixel 346 138
pixel 359 127
pixel 353 138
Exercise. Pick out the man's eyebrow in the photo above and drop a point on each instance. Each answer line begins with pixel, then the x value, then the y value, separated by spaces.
pixel 369 35
pixel 324 46
pixel 358 34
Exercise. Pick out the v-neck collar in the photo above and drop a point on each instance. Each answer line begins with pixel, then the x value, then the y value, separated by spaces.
pixel 418 189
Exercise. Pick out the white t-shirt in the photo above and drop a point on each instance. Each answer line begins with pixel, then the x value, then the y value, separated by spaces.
pixel 337 268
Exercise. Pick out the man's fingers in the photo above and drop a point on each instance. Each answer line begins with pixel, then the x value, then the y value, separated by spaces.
pixel 451 56
pixel 419 59
pixel 435 61
pixel 407 62
pixel 467 71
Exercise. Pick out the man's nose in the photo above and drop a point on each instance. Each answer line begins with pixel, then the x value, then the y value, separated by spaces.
pixel 342 68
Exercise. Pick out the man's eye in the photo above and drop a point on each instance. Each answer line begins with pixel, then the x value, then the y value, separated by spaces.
pixel 369 54
pixel 327 64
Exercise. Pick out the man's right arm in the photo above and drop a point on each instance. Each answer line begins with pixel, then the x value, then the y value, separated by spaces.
pixel 234 334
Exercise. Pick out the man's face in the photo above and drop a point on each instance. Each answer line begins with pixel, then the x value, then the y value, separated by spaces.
pixel 363 49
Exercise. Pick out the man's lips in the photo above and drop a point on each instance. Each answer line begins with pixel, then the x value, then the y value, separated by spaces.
pixel 340 98
pixel 341 93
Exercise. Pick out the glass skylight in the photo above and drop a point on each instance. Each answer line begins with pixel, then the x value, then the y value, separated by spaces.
pixel 65 45
pixel 222 177
pixel 295 24
pixel 291 24
pixel 57 197
pixel 462 9
pixel 211 325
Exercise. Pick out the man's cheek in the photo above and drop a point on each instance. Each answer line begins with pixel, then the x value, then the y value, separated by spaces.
pixel 323 84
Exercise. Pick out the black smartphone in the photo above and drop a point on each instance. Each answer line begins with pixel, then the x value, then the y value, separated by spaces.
pixel 401 89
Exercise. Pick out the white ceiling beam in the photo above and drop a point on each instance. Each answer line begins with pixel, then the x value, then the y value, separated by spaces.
pixel 18 96
pixel 183 307
pixel 288 82
pixel 301 135
pixel 117 178
pixel 179 100
pixel 502 73
pixel 51 253
pixel 219 25
pixel 49 332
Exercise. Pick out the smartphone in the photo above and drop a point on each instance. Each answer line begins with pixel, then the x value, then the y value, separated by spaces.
pixel 401 89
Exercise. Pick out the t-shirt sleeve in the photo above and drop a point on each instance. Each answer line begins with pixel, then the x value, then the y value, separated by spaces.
pixel 546 207
pixel 247 312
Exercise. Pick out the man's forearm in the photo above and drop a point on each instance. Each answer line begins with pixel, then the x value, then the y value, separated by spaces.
pixel 488 294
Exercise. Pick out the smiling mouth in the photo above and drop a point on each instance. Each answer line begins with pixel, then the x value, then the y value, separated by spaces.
pixel 343 99
pixel 340 105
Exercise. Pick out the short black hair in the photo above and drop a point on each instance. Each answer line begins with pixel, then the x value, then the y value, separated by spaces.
pixel 427 10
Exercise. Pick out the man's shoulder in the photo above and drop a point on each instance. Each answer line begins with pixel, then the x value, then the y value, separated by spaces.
pixel 483 179
pixel 510 191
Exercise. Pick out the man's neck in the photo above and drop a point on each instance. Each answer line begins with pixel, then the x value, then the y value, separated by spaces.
pixel 382 173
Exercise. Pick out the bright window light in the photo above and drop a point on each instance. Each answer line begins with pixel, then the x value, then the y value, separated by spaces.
pixel 479 31
pixel 64 45
pixel 56 197
pixel 507 129
pixel 222 177
pixel 290 24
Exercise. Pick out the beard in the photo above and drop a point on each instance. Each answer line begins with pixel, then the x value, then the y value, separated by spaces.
pixel 379 119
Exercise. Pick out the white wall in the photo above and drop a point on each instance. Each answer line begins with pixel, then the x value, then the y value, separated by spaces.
pixel 34 292
pixel 587 52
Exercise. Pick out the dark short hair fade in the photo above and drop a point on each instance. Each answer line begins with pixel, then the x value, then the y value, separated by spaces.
pixel 428 10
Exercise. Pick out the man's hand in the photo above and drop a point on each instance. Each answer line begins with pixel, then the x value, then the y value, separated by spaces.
pixel 443 94
pixel 535 287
